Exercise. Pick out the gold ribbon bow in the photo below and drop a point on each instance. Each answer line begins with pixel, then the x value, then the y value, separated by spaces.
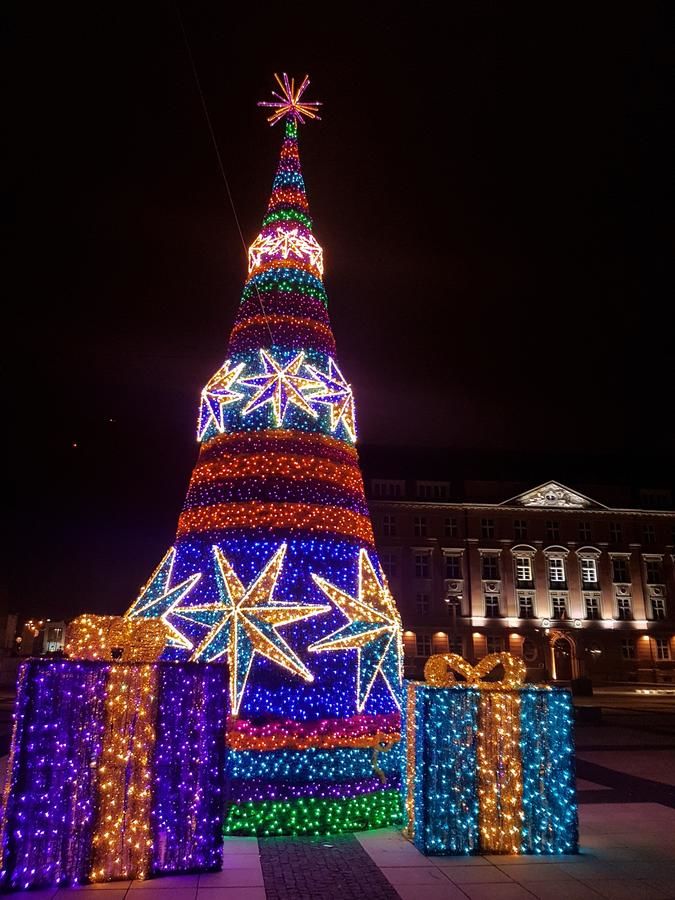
pixel 440 668
pixel 95 637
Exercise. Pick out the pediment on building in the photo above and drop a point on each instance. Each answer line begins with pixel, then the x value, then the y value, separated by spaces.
pixel 553 495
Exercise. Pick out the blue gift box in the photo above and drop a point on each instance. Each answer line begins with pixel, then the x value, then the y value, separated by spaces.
pixel 489 771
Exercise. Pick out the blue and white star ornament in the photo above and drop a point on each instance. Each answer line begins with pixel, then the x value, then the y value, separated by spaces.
pixel 244 621
pixel 281 385
pixel 373 629
pixel 334 391
pixel 216 395
pixel 157 599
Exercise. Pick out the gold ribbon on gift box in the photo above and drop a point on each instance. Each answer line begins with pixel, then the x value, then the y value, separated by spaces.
pixel 499 775
pixel 121 841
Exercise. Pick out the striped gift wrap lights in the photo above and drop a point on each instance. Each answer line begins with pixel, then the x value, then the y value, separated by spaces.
pixel 489 763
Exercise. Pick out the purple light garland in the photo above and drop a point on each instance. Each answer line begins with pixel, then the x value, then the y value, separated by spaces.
pixel 53 795
pixel 189 765
pixel 57 741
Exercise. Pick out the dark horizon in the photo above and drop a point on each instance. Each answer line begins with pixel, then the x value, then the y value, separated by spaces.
pixel 494 200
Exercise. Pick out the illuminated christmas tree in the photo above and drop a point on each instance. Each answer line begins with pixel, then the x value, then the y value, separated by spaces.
pixel 274 568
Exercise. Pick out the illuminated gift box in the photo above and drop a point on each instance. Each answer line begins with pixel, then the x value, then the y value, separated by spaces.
pixel 489 765
pixel 116 771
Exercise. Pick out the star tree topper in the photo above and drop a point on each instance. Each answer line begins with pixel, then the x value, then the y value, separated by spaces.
pixel 157 601
pixel 244 622
pixel 288 102
pixel 374 631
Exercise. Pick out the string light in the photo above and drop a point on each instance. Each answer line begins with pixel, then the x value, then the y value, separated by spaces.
pixel 284 242
pixel 218 394
pixel 276 465
pixel 158 599
pixel 127 781
pixel 355 731
pixel 374 630
pixel 279 385
pixel 244 622
pixel 96 637
pixel 315 816
pixel 277 518
pixel 489 764
pixel 288 103
pixel 293 330
pixel 337 394
pixel 122 841
pixel 438 670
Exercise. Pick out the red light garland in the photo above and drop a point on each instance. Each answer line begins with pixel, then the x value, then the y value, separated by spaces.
pixel 269 465
pixel 295 517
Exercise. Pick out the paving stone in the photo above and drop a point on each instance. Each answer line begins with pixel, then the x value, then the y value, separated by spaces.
pixel 629 889
pixel 541 873
pixel 414 875
pixel 496 892
pixel 562 890
pixel 164 882
pixel 475 875
pixel 85 892
pixel 321 868
pixel 249 877
pixel 438 891
pixel 449 862
pixel 231 893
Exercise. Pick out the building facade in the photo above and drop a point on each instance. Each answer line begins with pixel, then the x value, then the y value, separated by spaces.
pixel 573 586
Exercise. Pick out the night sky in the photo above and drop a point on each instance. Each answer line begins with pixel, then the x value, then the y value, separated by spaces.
pixel 493 192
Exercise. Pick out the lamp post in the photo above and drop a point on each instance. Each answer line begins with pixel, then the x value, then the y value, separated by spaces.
pixel 651 654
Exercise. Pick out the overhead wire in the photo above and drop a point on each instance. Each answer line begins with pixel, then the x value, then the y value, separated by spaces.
pixel 220 160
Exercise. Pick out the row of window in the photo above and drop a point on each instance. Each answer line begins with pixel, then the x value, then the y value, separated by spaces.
pixel 559 606
pixel 490 568
pixel 497 644
pixel 520 529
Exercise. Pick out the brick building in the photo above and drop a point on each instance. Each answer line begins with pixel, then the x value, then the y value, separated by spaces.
pixel 573 585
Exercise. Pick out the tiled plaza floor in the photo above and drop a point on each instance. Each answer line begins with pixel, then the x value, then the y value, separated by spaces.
pixel 627 841
pixel 628 853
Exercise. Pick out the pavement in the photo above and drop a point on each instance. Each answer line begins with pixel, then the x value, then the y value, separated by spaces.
pixel 626 792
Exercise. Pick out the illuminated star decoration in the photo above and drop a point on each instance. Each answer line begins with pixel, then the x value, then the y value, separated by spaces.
pixel 284 243
pixel 244 622
pixel 288 102
pixel 216 395
pixel 336 393
pixel 158 601
pixel 279 385
pixel 373 630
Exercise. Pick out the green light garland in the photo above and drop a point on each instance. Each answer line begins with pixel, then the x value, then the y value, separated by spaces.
pixel 315 815
pixel 287 215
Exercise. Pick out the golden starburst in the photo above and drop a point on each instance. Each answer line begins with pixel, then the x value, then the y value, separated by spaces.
pixel 288 102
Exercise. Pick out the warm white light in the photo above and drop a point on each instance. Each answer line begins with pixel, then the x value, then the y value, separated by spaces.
pixel 284 243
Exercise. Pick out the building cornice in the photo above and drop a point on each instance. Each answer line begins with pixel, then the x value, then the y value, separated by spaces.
pixel 440 506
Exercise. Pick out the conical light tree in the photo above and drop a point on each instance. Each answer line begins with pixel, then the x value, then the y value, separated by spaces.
pixel 274 569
